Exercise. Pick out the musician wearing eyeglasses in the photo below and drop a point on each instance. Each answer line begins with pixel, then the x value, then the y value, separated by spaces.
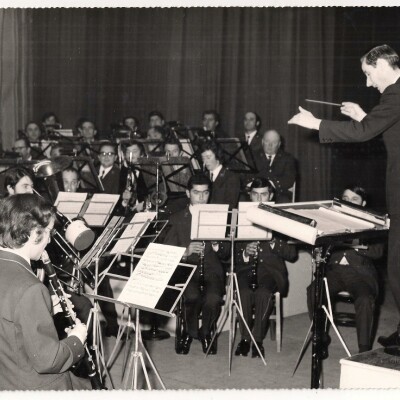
pixel 257 287
pixel 109 172
pixel 209 302
pixel 31 355
pixel 24 150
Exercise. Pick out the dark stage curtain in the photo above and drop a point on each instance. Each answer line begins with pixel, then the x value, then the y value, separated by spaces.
pixel 105 63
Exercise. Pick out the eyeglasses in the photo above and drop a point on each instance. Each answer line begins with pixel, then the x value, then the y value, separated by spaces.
pixel 109 153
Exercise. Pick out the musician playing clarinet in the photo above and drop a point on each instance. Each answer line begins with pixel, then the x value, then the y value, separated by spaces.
pixel 31 355
pixel 261 271
pixel 199 297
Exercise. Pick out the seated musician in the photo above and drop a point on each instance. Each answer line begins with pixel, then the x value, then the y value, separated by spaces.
pixel 225 183
pixel 71 180
pixel 155 118
pixel 209 302
pixel 21 180
pixel 87 129
pixel 132 153
pixel 276 165
pixel 212 123
pixel 109 172
pixel 156 133
pixel 271 275
pixel 133 124
pixel 23 147
pixel 352 270
pixel 49 122
pixel 31 355
pixel 32 131
pixel 18 180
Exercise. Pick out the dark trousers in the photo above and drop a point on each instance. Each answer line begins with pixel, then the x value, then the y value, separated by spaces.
pixel 258 303
pixel 394 260
pixel 209 304
pixel 346 278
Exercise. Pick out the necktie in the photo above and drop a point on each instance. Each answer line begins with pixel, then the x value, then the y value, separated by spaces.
pixel 102 174
pixel 248 139
pixel 269 158
pixel 211 177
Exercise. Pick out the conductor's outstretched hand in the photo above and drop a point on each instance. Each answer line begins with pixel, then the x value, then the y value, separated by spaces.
pixel 305 119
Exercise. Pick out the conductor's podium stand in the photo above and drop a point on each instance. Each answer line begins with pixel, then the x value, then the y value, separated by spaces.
pixel 370 370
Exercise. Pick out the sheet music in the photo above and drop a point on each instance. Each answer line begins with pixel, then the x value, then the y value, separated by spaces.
pixel 151 275
pixel 248 229
pixel 131 231
pixel 100 208
pixel 70 204
pixel 209 221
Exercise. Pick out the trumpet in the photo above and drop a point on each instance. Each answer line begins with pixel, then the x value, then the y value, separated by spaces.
pixel 253 281
pixel 202 283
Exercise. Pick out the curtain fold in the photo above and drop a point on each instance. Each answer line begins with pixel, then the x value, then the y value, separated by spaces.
pixel 15 72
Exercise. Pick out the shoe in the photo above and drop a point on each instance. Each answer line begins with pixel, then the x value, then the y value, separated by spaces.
pixel 254 351
pixel 393 350
pixel 205 343
pixel 391 340
pixel 243 348
pixel 184 345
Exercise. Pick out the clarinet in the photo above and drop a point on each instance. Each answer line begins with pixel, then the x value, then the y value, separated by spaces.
pixel 253 282
pixel 202 283
pixel 55 284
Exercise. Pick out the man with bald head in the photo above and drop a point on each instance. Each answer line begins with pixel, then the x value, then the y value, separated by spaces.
pixel 276 165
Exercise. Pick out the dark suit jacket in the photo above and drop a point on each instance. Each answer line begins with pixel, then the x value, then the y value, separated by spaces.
pixel 270 262
pixel 383 118
pixel 141 185
pixel 282 173
pixel 359 260
pixel 31 355
pixel 178 234
pixel 226 189
pixel 111 181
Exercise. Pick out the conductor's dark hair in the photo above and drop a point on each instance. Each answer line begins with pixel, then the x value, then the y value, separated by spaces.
pixel 260 182
pixel 20 215
pixel 357 189
pixel 385 52
pixel 210 145
pixel 155 113
pixel 199 179
pixel 174 141
pixel 14 175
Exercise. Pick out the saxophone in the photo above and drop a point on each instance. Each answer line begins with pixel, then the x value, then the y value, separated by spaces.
pixel 253 282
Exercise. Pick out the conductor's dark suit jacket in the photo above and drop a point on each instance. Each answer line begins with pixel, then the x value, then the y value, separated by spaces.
pixel 282 173
pixel 270 262
pixel 382 119
pixel 225 189
pixel 31 355
pixel 111 181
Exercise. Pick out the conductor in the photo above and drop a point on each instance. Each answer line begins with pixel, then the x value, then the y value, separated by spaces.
pixel 381 68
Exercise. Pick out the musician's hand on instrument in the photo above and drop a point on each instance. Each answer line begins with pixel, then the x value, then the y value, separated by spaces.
pixel 194 247
pixel 251 249
pixel 305 119
pixel 56 304
pixel 79 330
pixel 353 110
pixel 139 207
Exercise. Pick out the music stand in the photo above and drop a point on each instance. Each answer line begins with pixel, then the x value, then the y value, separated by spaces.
pixel 92 256
pixel 177 171
pixel 233 302
pixel 145 290
pixel 87 174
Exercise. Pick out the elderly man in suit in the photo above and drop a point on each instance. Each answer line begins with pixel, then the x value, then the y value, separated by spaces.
pixel 381 68
pixel 31 355
pixel 276 165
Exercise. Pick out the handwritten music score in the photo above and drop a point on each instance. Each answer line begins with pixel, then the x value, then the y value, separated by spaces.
pixel 151 275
